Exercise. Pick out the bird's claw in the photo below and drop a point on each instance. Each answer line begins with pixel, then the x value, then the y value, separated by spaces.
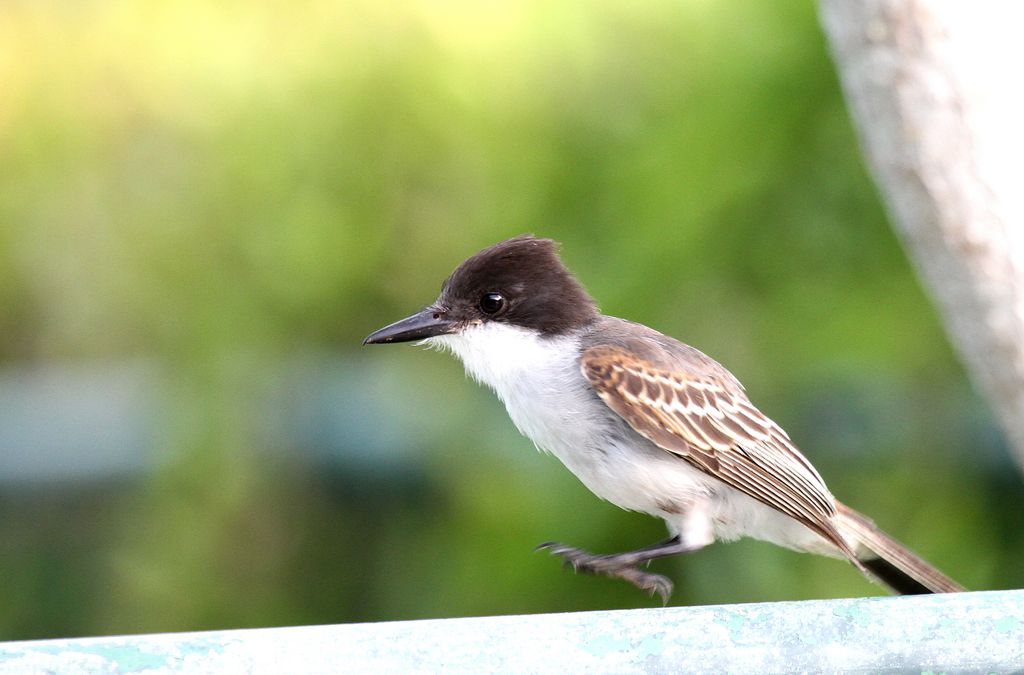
pixel 609 565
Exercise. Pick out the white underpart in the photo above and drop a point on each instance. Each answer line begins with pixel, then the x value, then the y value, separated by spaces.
pixel 551 403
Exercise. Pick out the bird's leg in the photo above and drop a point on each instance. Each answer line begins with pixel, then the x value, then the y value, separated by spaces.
pixel 624 565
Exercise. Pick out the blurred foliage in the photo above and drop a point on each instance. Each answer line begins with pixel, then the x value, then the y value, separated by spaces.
pixel 221 186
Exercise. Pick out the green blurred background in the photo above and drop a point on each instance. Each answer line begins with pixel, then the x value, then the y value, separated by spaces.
pixel 205 206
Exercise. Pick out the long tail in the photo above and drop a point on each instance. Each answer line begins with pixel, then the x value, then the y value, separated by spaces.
pixel 889 561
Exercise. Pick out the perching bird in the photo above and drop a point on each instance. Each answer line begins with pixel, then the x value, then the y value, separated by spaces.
pixel 643 420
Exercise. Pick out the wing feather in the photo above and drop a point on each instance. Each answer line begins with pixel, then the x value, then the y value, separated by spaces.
pixel 709 422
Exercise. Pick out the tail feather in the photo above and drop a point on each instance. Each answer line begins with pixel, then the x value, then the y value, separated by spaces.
pixel 889 561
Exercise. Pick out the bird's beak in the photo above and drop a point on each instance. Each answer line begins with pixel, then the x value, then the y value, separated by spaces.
pixel 429 322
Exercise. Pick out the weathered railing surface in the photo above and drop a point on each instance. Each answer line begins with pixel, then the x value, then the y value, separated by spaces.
pixel 968 632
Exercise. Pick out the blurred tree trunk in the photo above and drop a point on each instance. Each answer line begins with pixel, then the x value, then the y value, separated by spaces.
pixel 934 87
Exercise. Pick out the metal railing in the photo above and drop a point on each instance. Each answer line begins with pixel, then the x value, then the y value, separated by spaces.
pixel 966 632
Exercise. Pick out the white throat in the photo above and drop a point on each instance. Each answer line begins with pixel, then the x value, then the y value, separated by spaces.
pixel 537 378
pixel 509 358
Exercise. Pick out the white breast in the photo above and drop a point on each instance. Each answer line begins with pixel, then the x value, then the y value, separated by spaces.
pixel 537 378
pixel 539 381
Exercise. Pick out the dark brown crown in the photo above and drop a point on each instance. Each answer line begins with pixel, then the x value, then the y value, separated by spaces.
pixel 539 291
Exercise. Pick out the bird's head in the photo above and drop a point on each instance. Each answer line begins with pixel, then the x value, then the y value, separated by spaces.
pixel 520 282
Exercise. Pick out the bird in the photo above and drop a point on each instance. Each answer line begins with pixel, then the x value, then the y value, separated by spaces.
pixel 643 420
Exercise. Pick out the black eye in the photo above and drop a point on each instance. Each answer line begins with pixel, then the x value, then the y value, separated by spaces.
pixel 491 303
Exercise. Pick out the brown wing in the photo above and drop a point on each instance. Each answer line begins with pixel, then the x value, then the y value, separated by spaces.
pixel 708 421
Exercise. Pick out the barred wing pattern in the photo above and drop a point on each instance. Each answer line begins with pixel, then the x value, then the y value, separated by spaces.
pixel 708 421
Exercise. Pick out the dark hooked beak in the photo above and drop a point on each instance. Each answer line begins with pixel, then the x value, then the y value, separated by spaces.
pixel 428 322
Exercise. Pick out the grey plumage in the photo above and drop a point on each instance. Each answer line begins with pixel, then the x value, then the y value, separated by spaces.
pixel 644 421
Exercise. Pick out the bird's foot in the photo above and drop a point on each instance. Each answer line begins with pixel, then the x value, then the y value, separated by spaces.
pixel 621 565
